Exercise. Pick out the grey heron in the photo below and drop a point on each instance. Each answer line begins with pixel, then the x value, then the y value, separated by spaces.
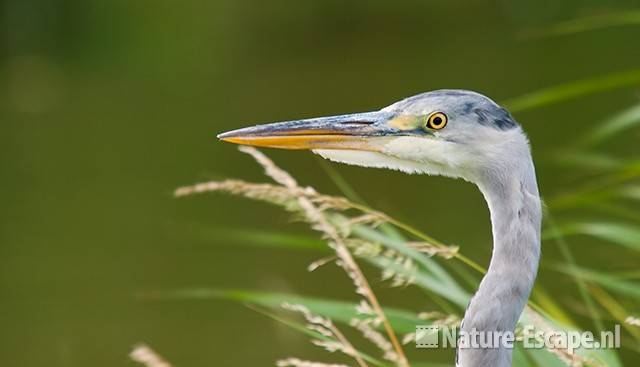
pixel 454 133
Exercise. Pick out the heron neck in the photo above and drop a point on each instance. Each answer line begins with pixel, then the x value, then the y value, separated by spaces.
pixel 512 196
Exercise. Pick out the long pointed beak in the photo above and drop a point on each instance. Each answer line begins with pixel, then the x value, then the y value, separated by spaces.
pixel 354 131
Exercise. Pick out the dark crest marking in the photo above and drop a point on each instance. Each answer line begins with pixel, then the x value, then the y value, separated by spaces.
pixel 496 117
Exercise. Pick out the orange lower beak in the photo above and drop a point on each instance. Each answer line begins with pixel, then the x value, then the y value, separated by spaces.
pixel 352 132
pixel 308 142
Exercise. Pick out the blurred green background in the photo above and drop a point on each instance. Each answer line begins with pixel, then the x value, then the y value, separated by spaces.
pixel 107 106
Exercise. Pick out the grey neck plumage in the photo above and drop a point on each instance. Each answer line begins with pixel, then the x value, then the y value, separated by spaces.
pixel 512 195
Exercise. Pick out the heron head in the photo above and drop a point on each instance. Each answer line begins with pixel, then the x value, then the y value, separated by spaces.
pixel 445 132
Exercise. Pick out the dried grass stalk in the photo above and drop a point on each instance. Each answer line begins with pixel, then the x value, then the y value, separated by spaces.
pixel 324 326
pixel 321 224
pixel 440 319
pixel 446 252
pixel 376 338
pixel 295 362
pixel 320 262
pixel 632 321
pixel 143 354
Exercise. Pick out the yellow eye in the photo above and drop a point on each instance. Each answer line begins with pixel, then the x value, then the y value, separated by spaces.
pixel 436 121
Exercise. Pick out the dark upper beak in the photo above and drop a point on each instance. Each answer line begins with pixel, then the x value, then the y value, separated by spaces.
pixel 352 131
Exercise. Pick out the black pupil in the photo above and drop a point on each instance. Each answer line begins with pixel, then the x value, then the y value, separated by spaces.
pixel 437 120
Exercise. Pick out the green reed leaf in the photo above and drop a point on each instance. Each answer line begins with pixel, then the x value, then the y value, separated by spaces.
pixel 403 321
pixel 616 284
pixel 565 250
pixel 614 308
pixel 542 357
pixel 259 238
pixel 624 120
pixel 589 160
pixel 630 192
pixel 573 90
pixel 618 233
pixel 595 22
